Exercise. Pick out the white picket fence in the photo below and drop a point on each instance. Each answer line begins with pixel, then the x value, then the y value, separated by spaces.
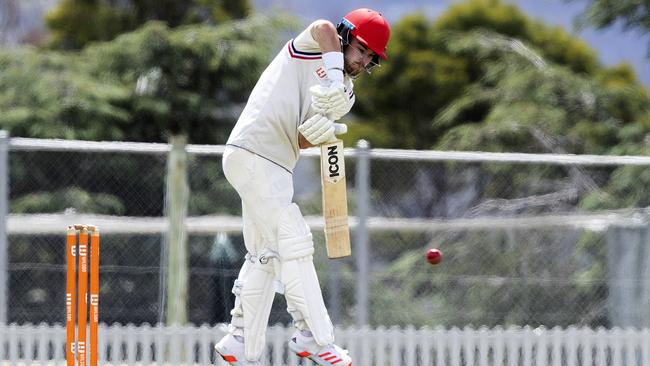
pixel 145 345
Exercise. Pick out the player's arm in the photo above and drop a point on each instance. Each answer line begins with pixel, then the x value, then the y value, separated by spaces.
pixel 332 100
pixel 325 34
pixel 320 128
pixel 303 143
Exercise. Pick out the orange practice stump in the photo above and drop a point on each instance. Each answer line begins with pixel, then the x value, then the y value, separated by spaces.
pixel 78 256
pixel 94 295
pixel 70 296
pixel 82 302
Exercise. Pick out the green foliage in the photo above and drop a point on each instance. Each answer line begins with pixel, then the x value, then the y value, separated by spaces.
pixel 507 20
pixel 44 95
pixel 406 91
pixel 562 48
pixel 630 14
pixel 191 80
pixel 433 64
pixel 140 87
pixel 626 188
pixel 521 98
pixel 495 15
pixel 75 23
pixel 71 198
pixel 209 186
pixel 484 273
pixel 458 71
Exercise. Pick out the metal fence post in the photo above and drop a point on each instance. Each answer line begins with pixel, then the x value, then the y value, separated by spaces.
pixel 334 288
pixel 361 245
pixel 628 275
pixel 177 197
pixel 4 205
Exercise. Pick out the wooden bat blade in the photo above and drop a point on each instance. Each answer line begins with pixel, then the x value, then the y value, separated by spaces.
pixel 335 203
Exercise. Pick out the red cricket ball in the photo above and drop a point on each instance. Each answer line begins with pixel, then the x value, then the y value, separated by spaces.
pixel 433 256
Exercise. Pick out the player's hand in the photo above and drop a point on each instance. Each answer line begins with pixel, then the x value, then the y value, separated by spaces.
pixel 332 101
pixel 319 129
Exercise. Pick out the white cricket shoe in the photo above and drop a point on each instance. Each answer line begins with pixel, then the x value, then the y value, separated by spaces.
pixel 330 355
pixel 232 351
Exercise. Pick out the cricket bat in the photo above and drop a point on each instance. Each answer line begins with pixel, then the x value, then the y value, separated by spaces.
pixel 335 203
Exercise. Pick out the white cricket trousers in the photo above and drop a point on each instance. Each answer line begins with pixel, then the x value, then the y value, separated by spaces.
pixel 265 190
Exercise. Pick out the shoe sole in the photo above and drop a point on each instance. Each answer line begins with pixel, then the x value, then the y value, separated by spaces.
pixel 314 358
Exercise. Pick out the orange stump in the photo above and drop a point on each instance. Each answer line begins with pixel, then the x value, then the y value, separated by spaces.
pixel 82 253
pixel 82 302
pixel 94 295
pixel 70 296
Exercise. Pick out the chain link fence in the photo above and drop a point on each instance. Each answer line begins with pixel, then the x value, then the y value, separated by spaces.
pixel 552 240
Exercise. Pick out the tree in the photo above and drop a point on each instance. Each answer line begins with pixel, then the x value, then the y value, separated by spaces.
pixel 44 94
pixel 142 86
pixel 404 93
pixel 521 99
pixel 74 23
pixel 426 73
pixel 478 89
pixel 192 80
pixel 631 14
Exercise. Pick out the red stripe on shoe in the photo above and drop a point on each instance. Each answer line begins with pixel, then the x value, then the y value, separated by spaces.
pixel 330 358
pixel 229 358
pixel 304 354
pixel 337 361
pixel 323 354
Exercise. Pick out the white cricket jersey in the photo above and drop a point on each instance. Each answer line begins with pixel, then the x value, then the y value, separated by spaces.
pixel 281 101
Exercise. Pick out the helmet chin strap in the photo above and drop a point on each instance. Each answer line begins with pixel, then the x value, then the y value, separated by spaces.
pixel 353 77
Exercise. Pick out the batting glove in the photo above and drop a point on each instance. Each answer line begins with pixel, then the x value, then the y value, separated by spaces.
pixel 332 101
pixel 320 129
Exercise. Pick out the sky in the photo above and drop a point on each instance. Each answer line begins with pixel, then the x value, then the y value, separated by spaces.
pixel 613 45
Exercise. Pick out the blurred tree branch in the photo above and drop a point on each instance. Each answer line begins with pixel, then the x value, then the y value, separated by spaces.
pixel 75 23
pixel 630 14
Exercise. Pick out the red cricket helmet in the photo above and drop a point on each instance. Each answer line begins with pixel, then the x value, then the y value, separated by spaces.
pixel 370 28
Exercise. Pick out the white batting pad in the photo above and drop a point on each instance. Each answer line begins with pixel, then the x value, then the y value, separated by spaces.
pixel 254 293
pixel 302 290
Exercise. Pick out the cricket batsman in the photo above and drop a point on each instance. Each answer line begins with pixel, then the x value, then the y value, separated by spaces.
pixel 294 105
